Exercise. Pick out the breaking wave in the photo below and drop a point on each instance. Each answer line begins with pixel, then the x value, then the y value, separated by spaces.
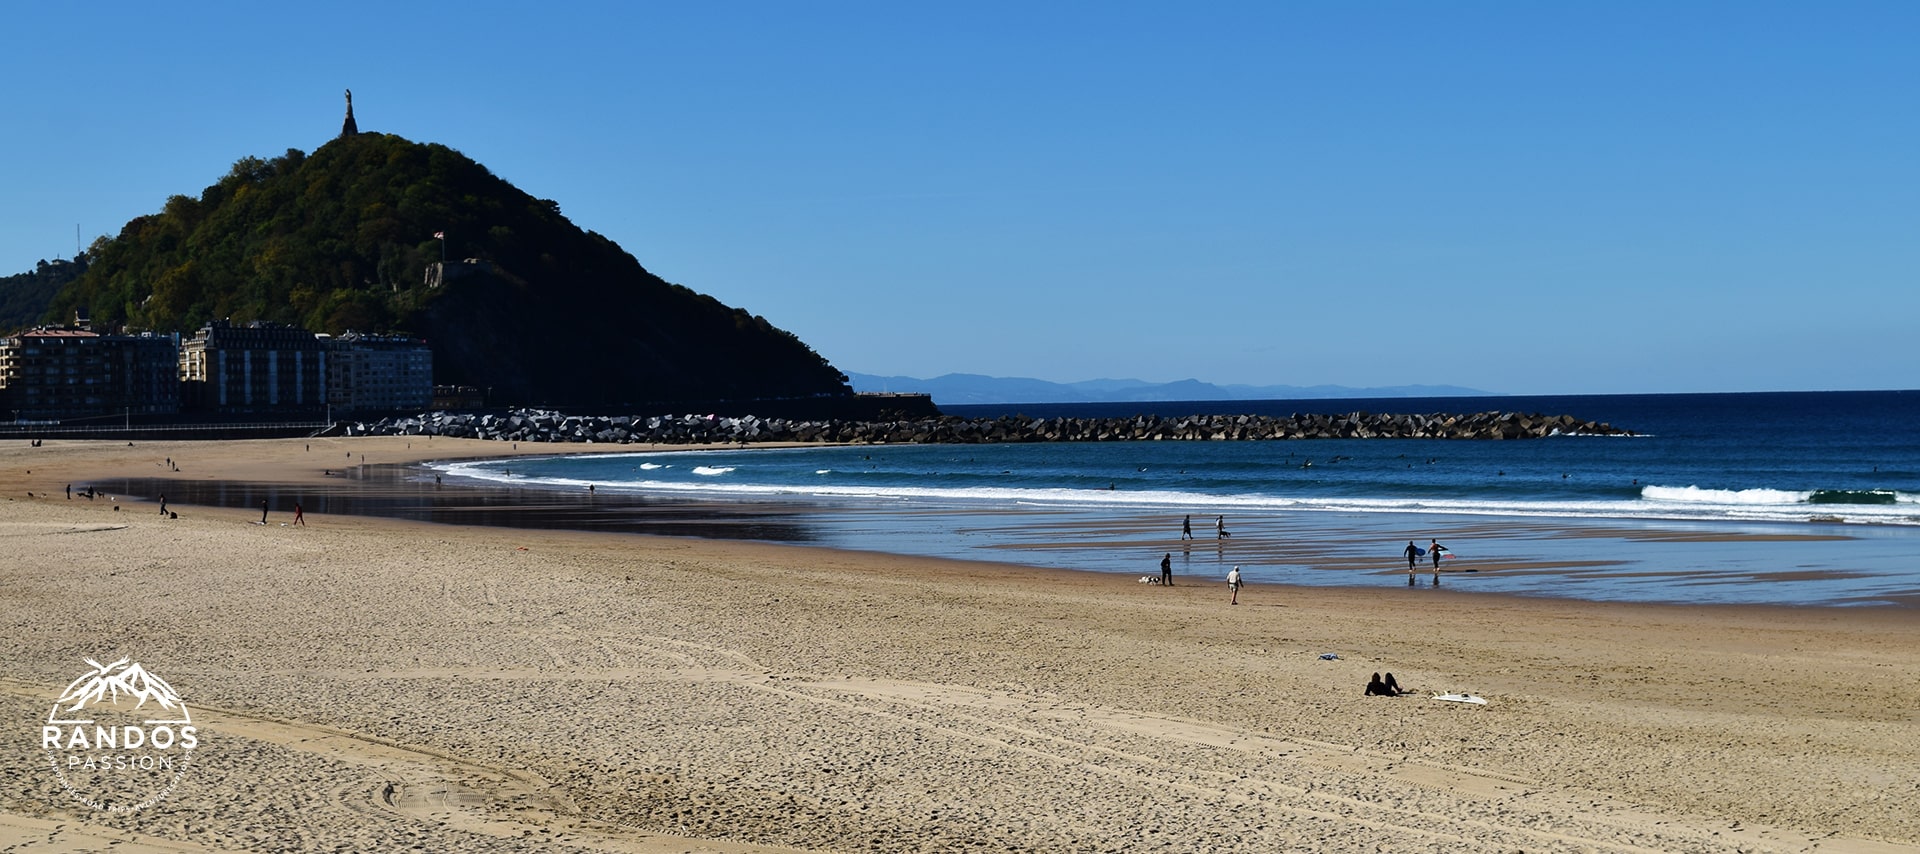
pixel 1855 496
pixel 1766 497
pixel 1696 495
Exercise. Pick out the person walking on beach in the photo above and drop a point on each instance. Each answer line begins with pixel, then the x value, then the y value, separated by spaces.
pixel 1233 583
pixel 299 515
pixel 1434 549
pixel 1186 528
pixel 1413 554
pixel 163 504
pixel 1166 570
pixel 1220 528
pixel 263 511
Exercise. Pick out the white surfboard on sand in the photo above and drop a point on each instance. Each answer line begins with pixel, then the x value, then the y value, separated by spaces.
pixel 1461 698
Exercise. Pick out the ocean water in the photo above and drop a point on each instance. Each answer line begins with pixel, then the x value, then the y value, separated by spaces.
pixel 1821 487
pixel 1851 456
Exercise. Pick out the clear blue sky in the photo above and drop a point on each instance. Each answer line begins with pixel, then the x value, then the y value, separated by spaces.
pixel 1564 197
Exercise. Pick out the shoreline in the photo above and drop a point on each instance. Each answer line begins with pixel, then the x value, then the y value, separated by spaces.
pixel 1572 558
pixel 376 684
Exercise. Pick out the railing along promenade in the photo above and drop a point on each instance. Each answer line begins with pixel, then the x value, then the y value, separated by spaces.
pixel 157 432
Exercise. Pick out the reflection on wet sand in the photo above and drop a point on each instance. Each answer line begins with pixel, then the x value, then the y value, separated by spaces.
pixel 1600 560
pixel 400 492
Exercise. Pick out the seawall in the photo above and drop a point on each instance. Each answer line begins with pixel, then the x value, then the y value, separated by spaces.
pixel 549 426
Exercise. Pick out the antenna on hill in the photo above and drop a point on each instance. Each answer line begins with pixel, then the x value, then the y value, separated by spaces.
pixel 76 241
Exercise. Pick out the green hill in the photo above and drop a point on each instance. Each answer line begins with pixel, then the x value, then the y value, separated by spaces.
pixel 344 239
pixel 24 297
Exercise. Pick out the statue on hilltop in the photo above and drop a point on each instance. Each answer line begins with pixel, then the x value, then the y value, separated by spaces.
pixel 348 128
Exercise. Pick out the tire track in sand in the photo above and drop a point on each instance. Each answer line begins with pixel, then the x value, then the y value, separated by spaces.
pixel 1393 794
pixel 407 783
pixel 1585 819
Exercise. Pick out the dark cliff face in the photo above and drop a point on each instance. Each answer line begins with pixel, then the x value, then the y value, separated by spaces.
pixel 531 344
pixel 344 239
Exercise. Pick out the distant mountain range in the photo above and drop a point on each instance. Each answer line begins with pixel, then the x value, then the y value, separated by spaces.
pixel 960 389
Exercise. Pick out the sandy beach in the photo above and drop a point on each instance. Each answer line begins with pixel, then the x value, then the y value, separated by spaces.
pixel 369 684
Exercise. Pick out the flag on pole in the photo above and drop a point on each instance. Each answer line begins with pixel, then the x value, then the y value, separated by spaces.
pixel 439 235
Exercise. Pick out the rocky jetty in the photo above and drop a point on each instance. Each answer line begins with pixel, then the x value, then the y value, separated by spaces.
pixel 547 426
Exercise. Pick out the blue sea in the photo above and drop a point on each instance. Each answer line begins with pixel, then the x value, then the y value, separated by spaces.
pixel 1769 498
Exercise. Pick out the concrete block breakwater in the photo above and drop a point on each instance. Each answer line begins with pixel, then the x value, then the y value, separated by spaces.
pixel 546 426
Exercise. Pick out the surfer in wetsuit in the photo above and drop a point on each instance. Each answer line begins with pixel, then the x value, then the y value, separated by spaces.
pixel 1413 554
pixel 1434 548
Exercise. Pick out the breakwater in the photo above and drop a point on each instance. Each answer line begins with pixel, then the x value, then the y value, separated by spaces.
pixel 548 426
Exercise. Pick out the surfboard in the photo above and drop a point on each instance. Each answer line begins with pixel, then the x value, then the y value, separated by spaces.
pixel 1419 551
pixel 1461 698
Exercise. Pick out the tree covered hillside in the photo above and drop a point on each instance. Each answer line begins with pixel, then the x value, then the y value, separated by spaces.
pixel 24 297
pixel 343 238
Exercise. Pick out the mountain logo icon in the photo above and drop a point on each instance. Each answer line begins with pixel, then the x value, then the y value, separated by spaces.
pixel 110 682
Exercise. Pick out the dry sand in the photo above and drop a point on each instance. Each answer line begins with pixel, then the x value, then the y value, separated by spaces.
pixel 366 684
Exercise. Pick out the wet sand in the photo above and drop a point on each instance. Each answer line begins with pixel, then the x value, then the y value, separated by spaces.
pixel 376 684
pixel 1653 561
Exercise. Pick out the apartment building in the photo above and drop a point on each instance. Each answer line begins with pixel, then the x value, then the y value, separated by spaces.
pixel 260 368
pixel 379 373
pixel 71 373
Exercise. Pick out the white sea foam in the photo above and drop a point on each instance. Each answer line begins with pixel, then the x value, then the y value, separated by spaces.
pixel 1654 502
pixel 1747 508
pixel 652 466
pixel 1694 494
